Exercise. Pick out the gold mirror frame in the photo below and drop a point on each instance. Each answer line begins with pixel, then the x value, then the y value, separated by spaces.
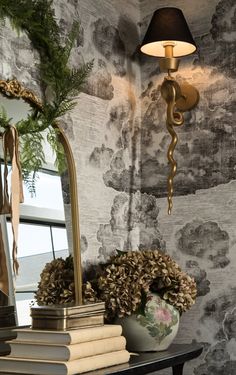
pixel 13 89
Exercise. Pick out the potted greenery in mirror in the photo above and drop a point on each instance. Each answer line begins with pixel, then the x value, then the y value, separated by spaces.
pixel 144 291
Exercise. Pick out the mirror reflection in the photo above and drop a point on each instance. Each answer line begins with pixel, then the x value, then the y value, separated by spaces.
pixel 42 229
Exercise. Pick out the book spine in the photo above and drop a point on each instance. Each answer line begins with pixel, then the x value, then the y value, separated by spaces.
pixel 69 337
pixel 37 367
pixel 66 353
pixel 4 348
pixel 97 362
pixel 97 333
pixel 92 348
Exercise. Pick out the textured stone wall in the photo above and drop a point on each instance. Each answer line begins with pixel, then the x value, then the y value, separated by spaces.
pixel 200 233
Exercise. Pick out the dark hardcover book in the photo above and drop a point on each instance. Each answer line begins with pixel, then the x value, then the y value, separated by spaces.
pixel 7 316
pixel 6 335
pixel 5 348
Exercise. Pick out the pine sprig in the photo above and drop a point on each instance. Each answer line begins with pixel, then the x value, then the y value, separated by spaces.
pixel 32 154
pixel 30 179
pixel 57 147
pixel 37 18
pixel 32 158
pixel 4 119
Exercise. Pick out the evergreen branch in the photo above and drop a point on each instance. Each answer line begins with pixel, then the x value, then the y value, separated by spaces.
pixel 57 147
pixel 32 154
pixel 30 179
pixel 37 18
pixel 5 122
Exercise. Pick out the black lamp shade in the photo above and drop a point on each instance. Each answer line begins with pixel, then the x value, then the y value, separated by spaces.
pixel 168 25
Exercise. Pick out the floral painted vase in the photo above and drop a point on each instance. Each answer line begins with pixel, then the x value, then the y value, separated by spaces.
pixel 156 330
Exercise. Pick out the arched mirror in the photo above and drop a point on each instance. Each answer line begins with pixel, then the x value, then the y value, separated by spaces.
pixel 37 52
pixel 43 233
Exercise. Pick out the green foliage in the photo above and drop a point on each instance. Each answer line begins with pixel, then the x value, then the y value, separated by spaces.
pixel 32 158
pixel 52 138
pixel 4 120
pixel 30 180
pixel 37 19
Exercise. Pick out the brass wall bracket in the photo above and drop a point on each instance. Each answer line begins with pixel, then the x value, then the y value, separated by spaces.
pixel 179 99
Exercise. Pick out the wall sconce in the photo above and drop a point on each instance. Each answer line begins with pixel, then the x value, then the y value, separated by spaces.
pixel 168 36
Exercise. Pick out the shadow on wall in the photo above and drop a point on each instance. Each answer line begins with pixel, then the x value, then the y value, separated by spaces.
pixel 131 232
pixel 117 45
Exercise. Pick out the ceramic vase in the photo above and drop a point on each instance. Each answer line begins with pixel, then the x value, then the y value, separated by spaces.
pixel 153 331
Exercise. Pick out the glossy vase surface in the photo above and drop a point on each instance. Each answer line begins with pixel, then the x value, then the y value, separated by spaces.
pixel 155 330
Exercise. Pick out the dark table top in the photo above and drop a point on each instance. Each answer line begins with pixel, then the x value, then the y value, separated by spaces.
pixel 145 363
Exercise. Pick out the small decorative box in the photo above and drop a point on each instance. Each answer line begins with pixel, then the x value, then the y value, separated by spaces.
pixel 63 318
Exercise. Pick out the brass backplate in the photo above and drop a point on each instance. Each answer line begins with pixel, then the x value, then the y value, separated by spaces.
pixel 189 97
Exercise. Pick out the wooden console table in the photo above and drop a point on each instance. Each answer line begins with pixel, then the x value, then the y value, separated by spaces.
pixel 146 363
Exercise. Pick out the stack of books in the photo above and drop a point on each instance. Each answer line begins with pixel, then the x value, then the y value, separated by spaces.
pixel 65 352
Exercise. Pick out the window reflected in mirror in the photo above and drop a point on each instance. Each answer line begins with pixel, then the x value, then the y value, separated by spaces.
pixel 42 229
pixel 42 238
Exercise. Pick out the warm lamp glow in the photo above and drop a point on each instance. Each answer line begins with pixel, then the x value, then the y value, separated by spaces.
pixel 168 27
pixel 157 49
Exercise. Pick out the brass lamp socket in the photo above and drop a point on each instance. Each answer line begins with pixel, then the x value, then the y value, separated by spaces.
pixel 169 64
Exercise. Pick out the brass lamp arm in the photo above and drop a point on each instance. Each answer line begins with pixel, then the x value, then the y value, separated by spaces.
pixel 171 92
pixel 179 98
pixel 173 164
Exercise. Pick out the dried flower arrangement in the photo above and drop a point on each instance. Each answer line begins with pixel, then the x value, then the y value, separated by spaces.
pixel 56 286
pixel 122 283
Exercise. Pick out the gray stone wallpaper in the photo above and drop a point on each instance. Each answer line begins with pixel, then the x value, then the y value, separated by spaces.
pixel 119 141
pixel 200 233
pixel 104 128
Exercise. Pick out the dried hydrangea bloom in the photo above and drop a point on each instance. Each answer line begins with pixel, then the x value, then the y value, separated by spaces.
pixel 56 284
pixel 122 283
